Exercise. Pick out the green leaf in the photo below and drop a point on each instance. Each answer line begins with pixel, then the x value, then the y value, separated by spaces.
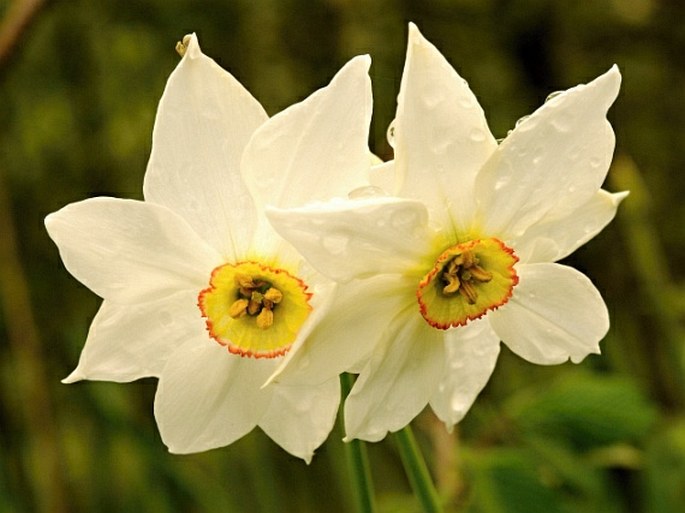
pixel 508 481
pixel 665 469
pixel 585 409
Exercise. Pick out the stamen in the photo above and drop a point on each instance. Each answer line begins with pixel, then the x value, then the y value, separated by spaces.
pixel 468 290
pixel 238 308
pixel 466 281
pixel 265 319
pixel 273 295
pixel 254 310
pixel 460 272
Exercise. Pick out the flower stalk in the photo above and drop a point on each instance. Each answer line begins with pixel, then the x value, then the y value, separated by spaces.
pixel 358 462
pixel 417 471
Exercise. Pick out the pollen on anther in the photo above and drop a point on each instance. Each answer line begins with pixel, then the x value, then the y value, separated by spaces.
pixel 254 310
pixel 466 281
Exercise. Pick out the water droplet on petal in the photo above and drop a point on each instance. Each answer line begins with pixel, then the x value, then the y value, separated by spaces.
pixel 335 243
pixel 165 319
pixel 367 191
pixel 553 95
pixel 502 182
pixel 465 103
pixel 403 218
pixel 520 120
pixel 596 162
pixel 390 135
pixel 477 135
pixel 431 101
pixel 458 403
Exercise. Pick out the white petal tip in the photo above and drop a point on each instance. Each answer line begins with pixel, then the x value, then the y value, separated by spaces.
pixel 363 60
pixel 416 38
pixel 618 197
pixel 609 82
pixel 73 377
pixel 414 32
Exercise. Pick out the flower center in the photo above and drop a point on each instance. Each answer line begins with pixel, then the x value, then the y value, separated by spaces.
pixel 466 281
pixel 253 309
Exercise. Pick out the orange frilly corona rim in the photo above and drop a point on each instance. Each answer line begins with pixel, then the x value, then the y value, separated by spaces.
pixel 254 310
pixel 467 280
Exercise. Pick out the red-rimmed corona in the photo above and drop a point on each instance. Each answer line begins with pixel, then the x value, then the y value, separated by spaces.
pixel 467 280
pixel 254 310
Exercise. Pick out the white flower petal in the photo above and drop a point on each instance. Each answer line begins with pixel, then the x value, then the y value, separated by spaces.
pixel 209 398
pixel 204 121
pixel 129 251
pixel 554 239
pixel 398 380
pixel 357 238
pixel 316 149
pixel 354 322
pixel 555 314
pixel 128 342
pixel 300 418
pixel 471 354
pixel 556 159
pixel 441 136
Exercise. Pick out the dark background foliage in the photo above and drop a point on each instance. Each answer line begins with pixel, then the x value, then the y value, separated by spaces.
pixel 77 103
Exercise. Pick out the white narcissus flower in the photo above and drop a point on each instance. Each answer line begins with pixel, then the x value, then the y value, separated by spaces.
pixel 461 256
pixel 198 289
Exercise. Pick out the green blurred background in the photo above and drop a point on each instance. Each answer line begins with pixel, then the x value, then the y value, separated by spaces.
pixel 78 99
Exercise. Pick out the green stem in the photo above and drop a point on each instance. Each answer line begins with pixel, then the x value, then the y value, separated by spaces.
pixel 358 462
pixel 417 471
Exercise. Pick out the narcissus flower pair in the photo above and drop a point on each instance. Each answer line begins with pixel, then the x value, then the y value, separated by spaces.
pixel 408 273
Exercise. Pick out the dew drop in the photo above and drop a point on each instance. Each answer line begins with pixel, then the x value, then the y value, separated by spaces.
pixel 563 122
pixel 335 243
pixel 390 135
pixel 402 218
pixel 465 103
pixel 456 364
pixel 431 101
pixel 521 120
pixel 596 162
pixel 165 319
pixel 367 191
pixel 501 182
pixel 477 135
pixel 553 95
pixel 458 403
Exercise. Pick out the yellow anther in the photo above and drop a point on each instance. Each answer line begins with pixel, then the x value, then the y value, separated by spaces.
pixel 265 319
pixel 457 289
pixel 182 46
pixel 468 290
pixel 453 283
pixel 238 308
pixel 254 310
pixel 480 274
pixel 274 295
pixel 244 281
